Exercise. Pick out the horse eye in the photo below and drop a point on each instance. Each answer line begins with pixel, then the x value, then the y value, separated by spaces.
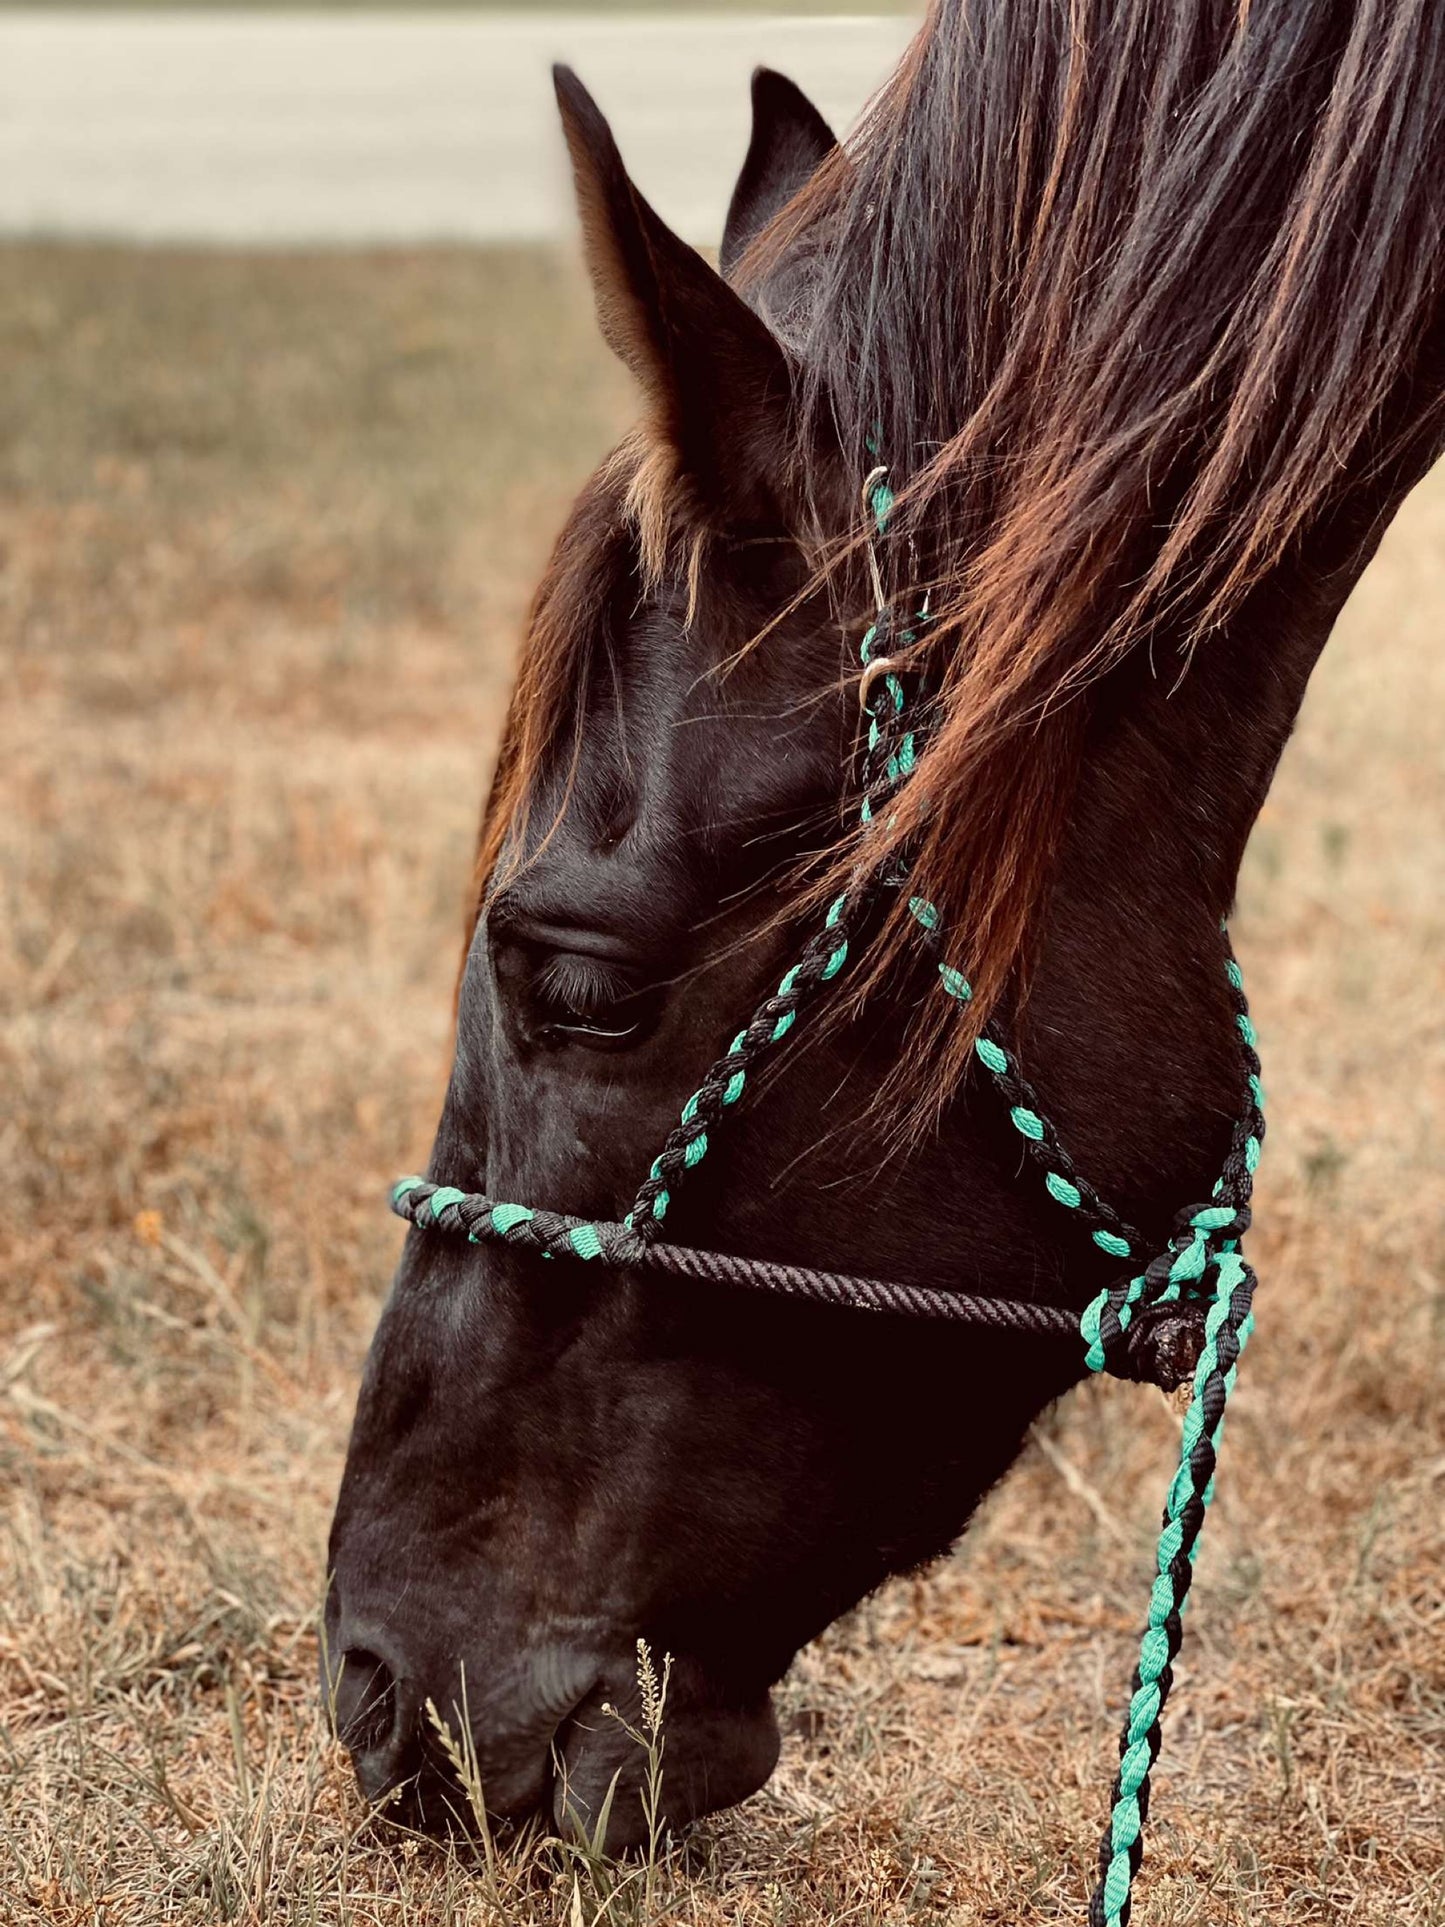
pixel 577 1000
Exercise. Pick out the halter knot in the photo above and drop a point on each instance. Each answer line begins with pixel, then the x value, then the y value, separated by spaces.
pixel 1150 1326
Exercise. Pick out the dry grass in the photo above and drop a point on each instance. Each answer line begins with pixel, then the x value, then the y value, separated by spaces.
pixel 265 529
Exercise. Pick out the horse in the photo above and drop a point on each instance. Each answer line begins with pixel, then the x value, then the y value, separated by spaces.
pixel 1125 318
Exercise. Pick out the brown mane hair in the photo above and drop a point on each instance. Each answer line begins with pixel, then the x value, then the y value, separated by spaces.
pixel 1129 295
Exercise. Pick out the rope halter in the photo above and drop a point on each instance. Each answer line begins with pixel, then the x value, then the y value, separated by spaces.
pixel 1180 1314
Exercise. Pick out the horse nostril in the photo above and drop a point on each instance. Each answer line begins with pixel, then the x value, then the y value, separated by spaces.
pixel 366 1701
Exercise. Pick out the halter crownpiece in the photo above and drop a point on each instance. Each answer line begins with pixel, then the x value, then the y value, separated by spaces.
pixel 1183 1313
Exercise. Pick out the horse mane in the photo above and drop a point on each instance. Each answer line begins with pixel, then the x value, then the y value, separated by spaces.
pixel 1129 297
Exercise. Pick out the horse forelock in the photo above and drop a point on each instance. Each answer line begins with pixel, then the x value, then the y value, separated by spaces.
pixel 635 515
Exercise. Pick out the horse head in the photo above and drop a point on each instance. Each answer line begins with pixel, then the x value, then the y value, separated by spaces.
pixel 553 1461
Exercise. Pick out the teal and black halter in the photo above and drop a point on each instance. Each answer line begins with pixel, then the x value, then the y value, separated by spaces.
pixel 1180 1312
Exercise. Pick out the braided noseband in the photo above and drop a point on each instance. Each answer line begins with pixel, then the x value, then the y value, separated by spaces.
pixel 1183 1312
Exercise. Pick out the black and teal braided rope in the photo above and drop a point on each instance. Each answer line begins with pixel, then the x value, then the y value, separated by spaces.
pixel 1062 1181
pixel 1206 1241
pixel 1146 1325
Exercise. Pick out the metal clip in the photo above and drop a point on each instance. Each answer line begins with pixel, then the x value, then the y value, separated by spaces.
pixel 880 666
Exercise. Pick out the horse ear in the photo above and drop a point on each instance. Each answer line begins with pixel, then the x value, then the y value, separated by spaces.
pixel 717 379
pixel 790 142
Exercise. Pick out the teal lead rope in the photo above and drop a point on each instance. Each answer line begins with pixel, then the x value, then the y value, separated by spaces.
pixel 1200 1274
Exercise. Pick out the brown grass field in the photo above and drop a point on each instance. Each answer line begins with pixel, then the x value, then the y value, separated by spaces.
pixel 266 528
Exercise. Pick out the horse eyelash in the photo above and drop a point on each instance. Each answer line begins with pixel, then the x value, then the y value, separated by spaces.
pixel 570 982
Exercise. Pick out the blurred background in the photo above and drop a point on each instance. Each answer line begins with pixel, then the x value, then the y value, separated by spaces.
pixel 297 378
pixel 367 124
